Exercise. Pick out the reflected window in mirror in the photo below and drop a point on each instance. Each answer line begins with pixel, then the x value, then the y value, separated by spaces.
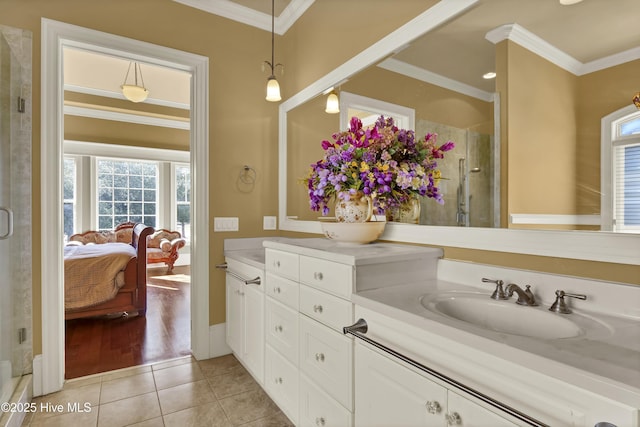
pixel 626 170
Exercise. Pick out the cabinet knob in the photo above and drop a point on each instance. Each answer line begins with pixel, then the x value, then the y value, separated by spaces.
pixel 278 328
pixel 276 290
pixel 453 419
pixel 320 357
pixel 317 308
pixel 320 421
pixel 279 380
pixel 433 407
pixel 277 264
pixel 317 275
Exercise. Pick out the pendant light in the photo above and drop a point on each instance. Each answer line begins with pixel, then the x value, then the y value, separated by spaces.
pixel 134 92
pixel 333 103
pixel 636 100
pixel 273 88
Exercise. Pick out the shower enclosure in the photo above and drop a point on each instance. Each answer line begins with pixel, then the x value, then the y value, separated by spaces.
pixel 469 183
pixel 15 209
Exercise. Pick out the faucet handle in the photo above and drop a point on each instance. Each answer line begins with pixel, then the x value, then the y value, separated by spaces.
pixel 498 294
pixel 560 306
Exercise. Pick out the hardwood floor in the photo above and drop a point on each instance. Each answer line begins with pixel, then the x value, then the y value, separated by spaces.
pixel 103 344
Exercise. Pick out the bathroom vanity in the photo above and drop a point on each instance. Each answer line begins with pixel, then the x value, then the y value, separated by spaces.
pixel 437 350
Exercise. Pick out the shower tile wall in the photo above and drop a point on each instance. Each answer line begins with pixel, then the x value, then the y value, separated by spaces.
pixel 15 131
pixel 477 149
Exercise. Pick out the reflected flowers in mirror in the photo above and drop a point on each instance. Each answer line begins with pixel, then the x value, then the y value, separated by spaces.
pixel 386 163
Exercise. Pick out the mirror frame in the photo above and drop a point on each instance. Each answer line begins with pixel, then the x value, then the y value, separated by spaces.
pixel 620 248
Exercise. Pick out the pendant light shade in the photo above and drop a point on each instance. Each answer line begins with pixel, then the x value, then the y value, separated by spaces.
pixel 333 103
pixel 273 90
pixel 134 92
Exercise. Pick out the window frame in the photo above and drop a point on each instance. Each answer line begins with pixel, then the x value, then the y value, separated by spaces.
pixel 611 139
pixel 87 155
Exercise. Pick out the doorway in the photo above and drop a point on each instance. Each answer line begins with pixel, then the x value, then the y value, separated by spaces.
pixel 49 368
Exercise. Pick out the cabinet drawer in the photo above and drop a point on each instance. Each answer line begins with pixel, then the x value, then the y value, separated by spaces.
pixel 282 330
pixel 284 264
pixel 281 382
pixel 283 290
pixel 326 358
pixel 328 309
pixel 328 276
pixel 317 408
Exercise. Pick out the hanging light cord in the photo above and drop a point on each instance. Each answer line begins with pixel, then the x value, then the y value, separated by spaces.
pixel 135 74
pixel 272 64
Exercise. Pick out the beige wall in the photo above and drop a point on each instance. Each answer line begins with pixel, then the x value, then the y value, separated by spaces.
pixel 243 127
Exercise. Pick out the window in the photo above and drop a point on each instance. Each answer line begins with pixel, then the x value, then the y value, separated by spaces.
pixel 69 195
pixel 621 171
pixel 127 191
pixel 626 166
pixel 106 185
pixel 183 200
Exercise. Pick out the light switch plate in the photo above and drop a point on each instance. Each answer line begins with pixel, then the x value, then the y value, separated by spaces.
pixel 225 224
pixel 269 223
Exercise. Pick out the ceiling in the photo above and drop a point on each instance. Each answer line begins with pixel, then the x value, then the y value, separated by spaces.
pixel 582 35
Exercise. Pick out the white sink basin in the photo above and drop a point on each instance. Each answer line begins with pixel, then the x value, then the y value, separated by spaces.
pixel 502 316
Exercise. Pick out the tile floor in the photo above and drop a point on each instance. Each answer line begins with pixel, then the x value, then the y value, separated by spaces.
pixel 181 392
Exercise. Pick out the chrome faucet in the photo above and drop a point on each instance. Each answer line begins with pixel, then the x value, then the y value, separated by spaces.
pixel 525 297
pixel 498 294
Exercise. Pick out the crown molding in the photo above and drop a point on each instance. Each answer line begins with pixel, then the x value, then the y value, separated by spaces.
pixel 119 95
pixel 535 44
pixel 147 119
pixel 418 73
pixel 540 47
pixel 246 15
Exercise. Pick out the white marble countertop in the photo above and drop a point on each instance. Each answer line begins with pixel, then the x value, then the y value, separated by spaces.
pixel 605 360
pixel 371 253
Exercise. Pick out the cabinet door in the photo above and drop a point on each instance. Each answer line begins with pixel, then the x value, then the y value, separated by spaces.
pixel 281 382
pixel 234 314
pixel 389 394
pixel 461 411
pixel 253 334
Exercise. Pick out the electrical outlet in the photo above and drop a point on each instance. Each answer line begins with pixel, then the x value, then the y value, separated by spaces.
pixel 225 224
pixel 269 223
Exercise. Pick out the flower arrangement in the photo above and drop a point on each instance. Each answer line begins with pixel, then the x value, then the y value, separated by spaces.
pixel 383 162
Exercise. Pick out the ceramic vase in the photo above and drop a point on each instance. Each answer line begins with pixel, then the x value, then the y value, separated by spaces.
pixel 408 212
pixel 358 208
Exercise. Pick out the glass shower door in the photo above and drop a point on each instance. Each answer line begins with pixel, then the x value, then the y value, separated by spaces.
pixel 15 208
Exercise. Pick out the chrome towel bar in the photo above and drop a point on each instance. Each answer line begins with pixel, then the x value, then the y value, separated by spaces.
pixel 224 267
pixel 360 328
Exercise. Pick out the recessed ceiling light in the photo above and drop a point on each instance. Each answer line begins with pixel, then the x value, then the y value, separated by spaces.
pixel 488 76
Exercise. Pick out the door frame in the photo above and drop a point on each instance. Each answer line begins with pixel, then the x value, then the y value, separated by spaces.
pixel 56 35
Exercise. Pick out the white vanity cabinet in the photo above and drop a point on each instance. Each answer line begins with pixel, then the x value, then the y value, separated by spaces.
pixel 309 288
pixel 245 315
pixel 281 330
pixel 388 393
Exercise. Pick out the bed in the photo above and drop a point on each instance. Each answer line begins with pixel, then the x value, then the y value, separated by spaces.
pixel 106 278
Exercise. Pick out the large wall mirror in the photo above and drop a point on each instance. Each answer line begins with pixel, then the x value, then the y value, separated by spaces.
pixel 526 166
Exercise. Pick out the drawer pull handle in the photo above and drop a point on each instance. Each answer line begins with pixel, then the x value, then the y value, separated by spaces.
pixel 454 419
pixel 320 357
pixel 433 407
pixel 320 421
pixel 279 380
pixel 317 308
pixel 278 328
pixel 317 275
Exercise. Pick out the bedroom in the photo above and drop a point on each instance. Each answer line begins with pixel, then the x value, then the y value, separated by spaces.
pixel 137 156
